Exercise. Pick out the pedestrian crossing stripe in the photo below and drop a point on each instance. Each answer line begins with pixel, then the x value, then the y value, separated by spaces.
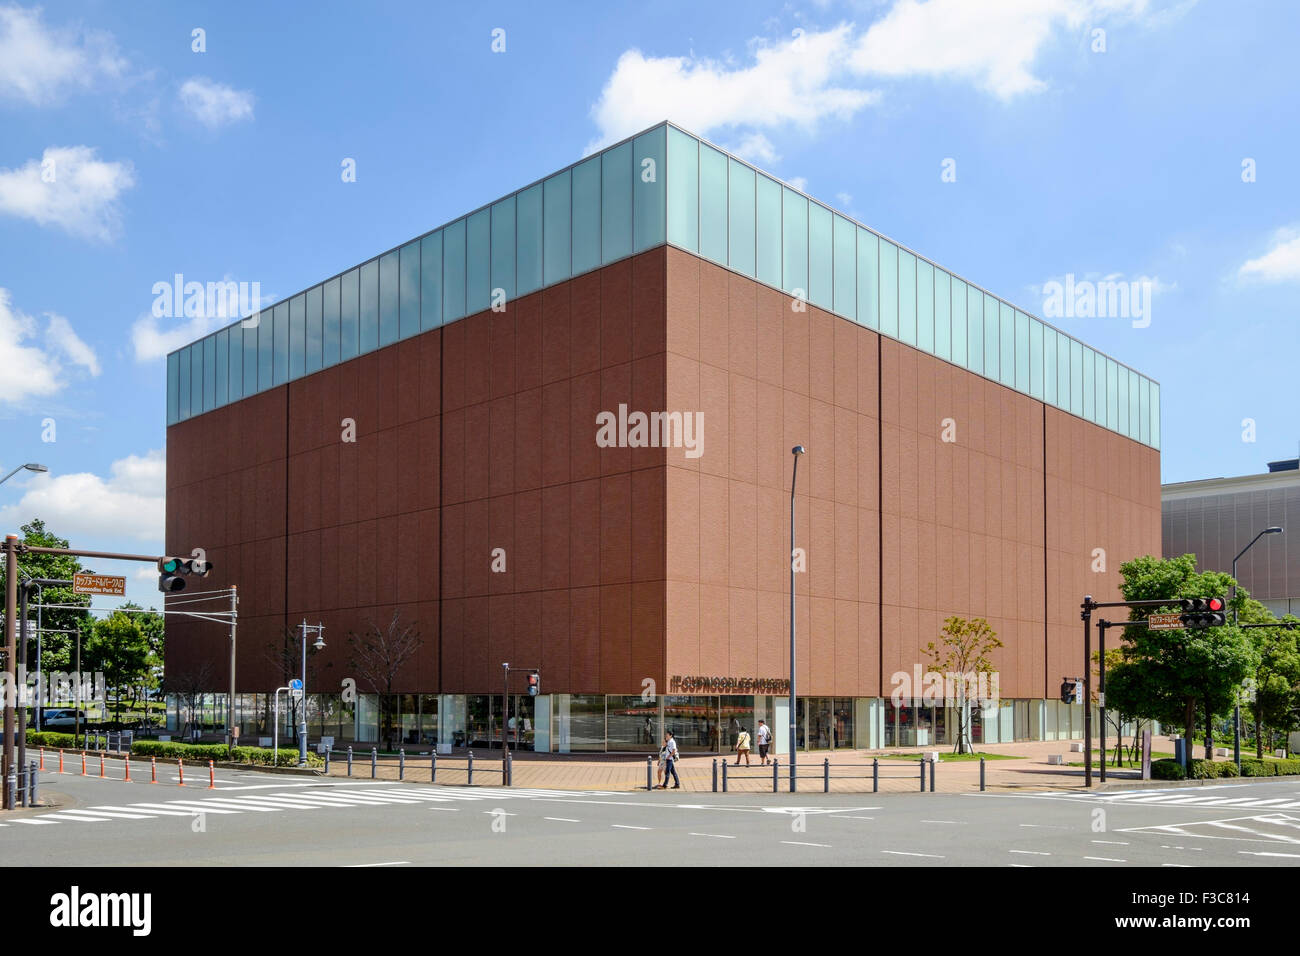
pixel 1263 828
pixel 1177 798
pixel 315 798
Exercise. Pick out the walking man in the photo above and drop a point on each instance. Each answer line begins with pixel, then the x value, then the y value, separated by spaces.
pixel 742 747
pixel 764 734
pixel 670 762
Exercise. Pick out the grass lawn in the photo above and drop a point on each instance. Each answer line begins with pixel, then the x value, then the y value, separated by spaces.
pixel 951 757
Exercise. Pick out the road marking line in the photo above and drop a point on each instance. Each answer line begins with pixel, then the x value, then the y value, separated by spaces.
pixel 72 815
pixel 192 807
pixel 961 822
pixel 1264 853
pixel 1031 852
pixel 36 821
pixel 353 866
pixel 556 819
pixel 1112 842
pixel 1185 866
pixel 624 826
pixel 856 818
pixel 108 812
pixel 1105 859
pixel 716 836
pixel 797 843
pixel 934 856
pixel 445 809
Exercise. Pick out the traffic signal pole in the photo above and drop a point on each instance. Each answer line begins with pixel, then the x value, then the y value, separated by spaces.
pixel 11 674
pixel 1087 689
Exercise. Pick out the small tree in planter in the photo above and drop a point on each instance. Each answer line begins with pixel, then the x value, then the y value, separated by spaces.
pixel 962 656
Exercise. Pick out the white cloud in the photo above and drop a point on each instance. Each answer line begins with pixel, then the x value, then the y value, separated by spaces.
pixel 130 503
pixel 1280 264
pixel 60 337
pixel 844 199
pixel 31 371
pixel 993 44
pixel 153 338
pixel 68 187
pixel 214 104
pixel 40 64
pixel 754 147
pixel 799 182
pixel 788 83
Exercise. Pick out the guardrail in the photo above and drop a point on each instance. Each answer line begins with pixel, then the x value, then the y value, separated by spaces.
pixel 504 767
pixel 728 773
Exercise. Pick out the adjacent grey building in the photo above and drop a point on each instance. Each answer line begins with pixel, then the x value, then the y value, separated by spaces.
pixel 1216 517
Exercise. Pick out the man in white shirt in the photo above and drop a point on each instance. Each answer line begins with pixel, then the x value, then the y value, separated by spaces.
pixel 670 761
pixel 764 734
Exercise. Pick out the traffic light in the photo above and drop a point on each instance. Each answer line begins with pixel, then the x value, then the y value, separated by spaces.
pixel 173 571
pixel 1202 612
pixel 1071 691
pixel 534 684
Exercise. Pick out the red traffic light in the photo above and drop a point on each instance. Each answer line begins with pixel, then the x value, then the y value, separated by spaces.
pixel 1216 604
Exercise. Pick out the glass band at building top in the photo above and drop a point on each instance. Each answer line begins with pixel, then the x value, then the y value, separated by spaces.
pixel 661 186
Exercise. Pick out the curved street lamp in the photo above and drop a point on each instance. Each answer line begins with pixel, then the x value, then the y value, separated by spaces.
pixel 30 466
pixel 796 451
pixel 1236 710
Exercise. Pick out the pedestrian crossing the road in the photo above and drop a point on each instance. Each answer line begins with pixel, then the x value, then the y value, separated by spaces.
pixel 239 800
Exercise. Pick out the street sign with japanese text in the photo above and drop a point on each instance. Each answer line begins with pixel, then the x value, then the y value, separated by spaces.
pixel 1164 622
pixel 99 584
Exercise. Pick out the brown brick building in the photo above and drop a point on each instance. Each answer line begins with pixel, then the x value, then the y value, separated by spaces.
pixel 365 447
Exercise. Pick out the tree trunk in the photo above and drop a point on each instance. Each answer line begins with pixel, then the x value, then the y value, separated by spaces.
pixel 1189 722
pixel 1259 739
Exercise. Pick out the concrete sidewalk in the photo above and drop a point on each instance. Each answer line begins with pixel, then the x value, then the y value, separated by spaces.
pixel 850 770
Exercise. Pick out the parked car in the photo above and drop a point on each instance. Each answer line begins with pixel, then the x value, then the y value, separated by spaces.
pixel 56 719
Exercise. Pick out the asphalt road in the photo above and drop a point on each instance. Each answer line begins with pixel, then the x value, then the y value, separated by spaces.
pixel 261 819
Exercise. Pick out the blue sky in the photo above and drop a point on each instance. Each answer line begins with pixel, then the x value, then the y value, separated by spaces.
pixel 1125 162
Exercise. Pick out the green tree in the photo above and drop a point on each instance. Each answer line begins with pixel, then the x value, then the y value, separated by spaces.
pixel 962 656
pixel 59 624
pixel 152 625
pixel 1276 677
pixel 1120 701
pixel 1172 672
pixel 119 649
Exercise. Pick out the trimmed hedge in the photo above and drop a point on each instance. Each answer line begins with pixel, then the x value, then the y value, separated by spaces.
pixel 1167 769
pixel 45 738
pixel 1269 768
pixel 1212 769
pixel 288 756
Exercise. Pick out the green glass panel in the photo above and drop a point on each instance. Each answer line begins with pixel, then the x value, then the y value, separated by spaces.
pixel 503 249
pixel 888 288
pixel 942 314
pixel 906 297
pixel 846 268
pixel 586 216
pixel 453 271
pixel 740 218
pixel 683 190
pixel 713 204
pixel 768 228
pixel 648 190
pixel 431 281
pixel 478 262
pixel 557 244
pixel 794 243
pixel 868 279
pixel 615 203
pixel 530 239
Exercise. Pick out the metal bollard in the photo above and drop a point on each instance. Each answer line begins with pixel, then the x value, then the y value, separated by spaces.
pixel 715 773
pixel 649 774
pixel 349 761
pixel 875 775
pixel 433 766
pixel 401 764
pixel 724 775
pixel 774 763
pixel 11 787
pixel 33 782
pixel 794 784
pixel 510 769
pixel 328 751
pixel 21 796
pixel 934 766
pixel 374 762
pixel 981 774
pixel 923 776
pixel 469 781
pixel 826 775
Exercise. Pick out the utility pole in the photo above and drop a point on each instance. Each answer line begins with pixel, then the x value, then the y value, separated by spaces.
pixel 231 738
pixel 11 628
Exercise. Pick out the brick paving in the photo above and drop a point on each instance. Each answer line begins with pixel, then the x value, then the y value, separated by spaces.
pixel 1030 770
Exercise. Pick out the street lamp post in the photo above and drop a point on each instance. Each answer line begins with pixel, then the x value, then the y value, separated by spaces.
pixel 30 466
pixel 1236 710
pixel 796 451
pixel 302 714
